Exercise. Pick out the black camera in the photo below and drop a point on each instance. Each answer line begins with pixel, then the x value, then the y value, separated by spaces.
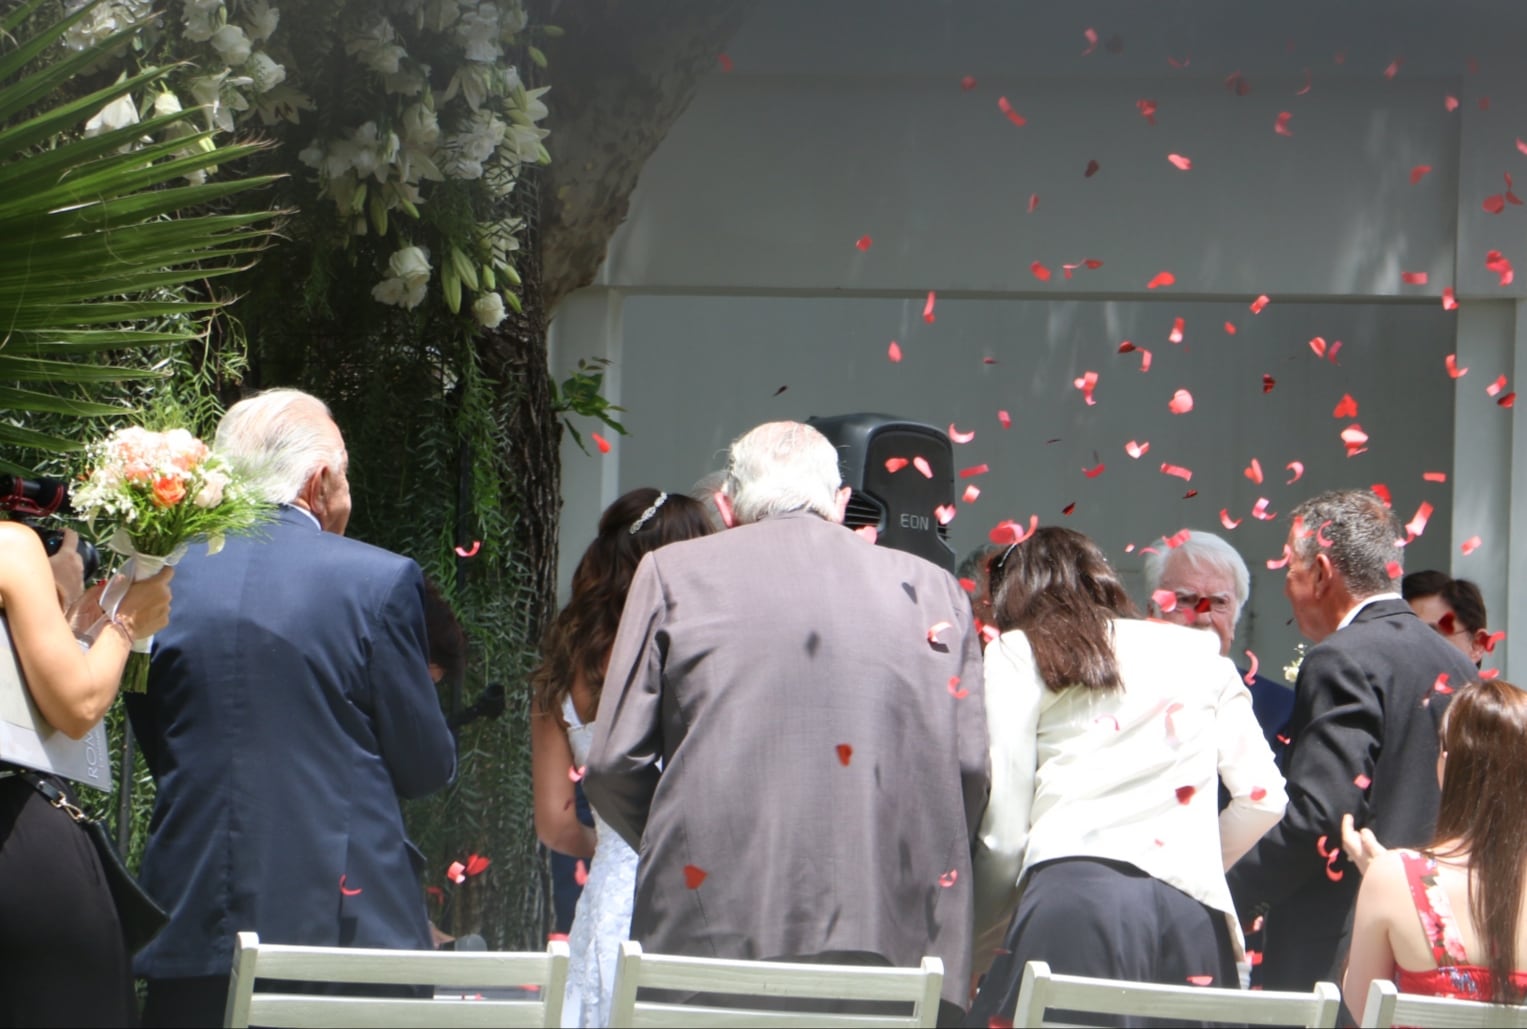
pixel 30 499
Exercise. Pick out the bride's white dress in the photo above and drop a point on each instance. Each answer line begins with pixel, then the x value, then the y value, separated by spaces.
pixel 603 916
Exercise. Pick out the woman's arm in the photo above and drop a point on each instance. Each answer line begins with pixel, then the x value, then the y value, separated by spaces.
pixel 556 814
pixel 1247 768
pixel 1383 897
pixel 72 688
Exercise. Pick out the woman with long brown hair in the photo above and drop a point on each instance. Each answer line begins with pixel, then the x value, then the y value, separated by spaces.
pixel 1109 733
pixel 1447 920
pixel 566 690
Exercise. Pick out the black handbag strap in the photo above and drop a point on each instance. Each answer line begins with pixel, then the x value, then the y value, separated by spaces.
pixel 57 797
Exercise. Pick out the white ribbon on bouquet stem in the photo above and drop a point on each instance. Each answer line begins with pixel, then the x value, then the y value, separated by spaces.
pixel 139 566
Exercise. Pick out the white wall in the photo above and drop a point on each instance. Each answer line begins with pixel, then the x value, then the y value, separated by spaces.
pixel 737 274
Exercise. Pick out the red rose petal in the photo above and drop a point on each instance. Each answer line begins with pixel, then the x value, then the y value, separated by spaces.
pixel 1509 400
pixel 1253 471
pixel 1497 262
pixel 348 893
pixel 1094 471
pixel 1251 673
pixel 1068 508
pixel 1180 162
pixel 1226 520
pixel 1268 382
pixel 1470 545
pixel 958 436
pixel 477 864
pixel 581 873
pixel 1181 402
pixel 575 773
pixel 972 491
pixel 1494 204
pixel 1092 169
pixel 1201 980
pixel 1347 408
pixel 694 876
pixel 945 513
pixel 968 83
pixel 1496 386
pixel 1318 345
pixel 1005 419
pixel 893 352
pixel 1161 279
pixel 921 464
pixel 1449 299
pixel 949 878
pixel 1091 35
pixel 1297 467
pixel 864 243
pixel 1008 531
pixel 973 471
pixel 1450 103
pixel 1452 367
pixel 1257 793
pixel 1280 126
pixel 1185 474
pixel 895 464
pixel 1033 202
pixel 845 754
pixel 928 308
pixel 955 690
pixel 1012 115
pixel 1362 782
pixel 1147 110
pixel 600 442
pixel 1185 793
pixel 1419 172
pixel 469 551
pixel 1331 354
pixel 1417 525
pixel 1136 450
pixel 1175 336
pixel 1520 145
pixel 1259 510
pixel 1441 685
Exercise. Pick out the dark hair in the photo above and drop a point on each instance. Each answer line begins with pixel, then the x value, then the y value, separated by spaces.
pixel 1357 532
pixel 579 638
pixel 1061 591
pixel 1484 734
pixel 1467 603
pixel 447 643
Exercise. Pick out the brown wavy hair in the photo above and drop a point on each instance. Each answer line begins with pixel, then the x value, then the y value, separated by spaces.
pixel 1061 591
pixel 579 638
pixel 1482 817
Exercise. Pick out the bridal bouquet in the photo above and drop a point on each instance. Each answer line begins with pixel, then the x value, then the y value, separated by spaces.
pixel 158 492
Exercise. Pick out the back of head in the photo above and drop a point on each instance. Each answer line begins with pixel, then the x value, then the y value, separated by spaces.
pixel 1357 532
pixel 1059 589
pixel 1467 602
pixel 1427 583
pixel 780 467
pixel 1484 738
pixel 1201 551
pixel 277 439
pixel 447 641
pixel 579 639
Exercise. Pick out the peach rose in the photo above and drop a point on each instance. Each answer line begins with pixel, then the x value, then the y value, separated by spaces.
pixel 168 491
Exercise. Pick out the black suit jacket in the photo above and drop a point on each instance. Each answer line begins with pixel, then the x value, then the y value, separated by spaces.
pixel 289 706
pixel 1365 712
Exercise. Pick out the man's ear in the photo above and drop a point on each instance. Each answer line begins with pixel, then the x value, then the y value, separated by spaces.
pixel 840 503
pixel 724 505
pixel 1479 645
pixel 1325 572
pixel 314 495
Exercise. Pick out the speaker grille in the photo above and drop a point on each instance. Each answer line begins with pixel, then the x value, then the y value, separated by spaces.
pixel 863 510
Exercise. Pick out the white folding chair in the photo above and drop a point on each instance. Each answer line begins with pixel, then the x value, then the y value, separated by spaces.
pixel 917 987
pixel 1387 1006
pixel 542 975
pixel 1042 990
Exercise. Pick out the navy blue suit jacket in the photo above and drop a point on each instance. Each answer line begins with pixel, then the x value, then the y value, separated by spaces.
pixel 289 706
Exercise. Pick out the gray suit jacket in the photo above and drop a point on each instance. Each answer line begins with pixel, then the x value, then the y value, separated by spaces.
pixel 781 741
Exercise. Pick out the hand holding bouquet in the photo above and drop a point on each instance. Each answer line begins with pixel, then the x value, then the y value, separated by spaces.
pixel 160 491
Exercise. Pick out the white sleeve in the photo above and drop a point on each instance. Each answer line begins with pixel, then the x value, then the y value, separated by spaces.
pixel 1013 695
pixel 1247 769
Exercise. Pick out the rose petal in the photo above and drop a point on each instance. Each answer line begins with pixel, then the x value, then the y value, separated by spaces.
pixel 1185 474
pixel 973 471
pixel 1318 345
pixel 600 442
pixel 1449 299
pixel 1417 525
pixel 945 513
pixel 348 893
pixel 1012 115
pixel 1257 793
pixel 1491 640
pixel 1005 419
pixel 1354 437
pixel 1470 545
pixel 1434 476
pixel 1185 795
pixel 477 864
pixel 928 308
pixel 1268 382
pixel 1413 278
pixel 1226 520
pixel 1092 169
pixel 575 773
pixel 948 878
pixel 1297 467
pixel 1450 103
pixel 1136 450
pixel 1347 408
pixel 972 491
pixel 955 689
pixel 1280 126
pixel 958 436
pixel 1253 471
pixel 1086 384
pixel 1394 68
pixel 1180 162
pixel 967 83
pixel 581 873
pixel 694 875
pixel 1161 279
pixel 1441 684
pixel 921 464
pixel 1181 402
pixel 1175 336
pixel 1496 386
pixel 868 532
pixel 895 464
pixel 1091 35
pixel 1419 172
pixel 1165 600
pixel 1497 262
pixel 1273 564
pixel 1094 471
pixel 1068 508
pixel 1042 273
pixel 1494 204
pixel 1147 109
pixel 864 243
pixel 469 551
pixel 1008 531
pixel 1251 673
pixel 1259 510
pixel 1509 400
pixel 845 753
pixel 1033 202
pixel 1452 367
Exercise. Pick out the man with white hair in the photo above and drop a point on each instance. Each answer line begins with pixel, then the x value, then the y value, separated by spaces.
pixel 793 732
pixel 289 706
pixel 1209 583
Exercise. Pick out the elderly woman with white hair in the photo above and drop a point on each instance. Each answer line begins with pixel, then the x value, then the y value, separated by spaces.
pixel 1210 583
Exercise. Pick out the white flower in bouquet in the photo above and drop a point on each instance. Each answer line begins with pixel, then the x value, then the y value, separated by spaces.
pixel 118 114
pixel 488 309
pixel 409 268
pixel 201 19
pixel 232 45
pixel 104 21
pixel 477 32
pixel 262 19
pixel 264 73
pixel 1291 670
pixel 376 47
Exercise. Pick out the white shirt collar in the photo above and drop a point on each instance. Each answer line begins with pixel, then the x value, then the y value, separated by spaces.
pixel 1347 618
pixel 306 514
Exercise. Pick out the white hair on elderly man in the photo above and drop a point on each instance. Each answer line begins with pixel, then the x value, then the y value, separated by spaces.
pixel 779 467
pixel 1202 551
pixel 278 438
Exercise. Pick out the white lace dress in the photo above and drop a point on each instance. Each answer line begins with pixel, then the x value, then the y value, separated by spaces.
pixel 603 917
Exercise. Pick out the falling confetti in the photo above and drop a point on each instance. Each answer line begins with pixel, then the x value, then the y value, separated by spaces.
pixel 949 878
pixel 1449 299
pixel 972 491
pixel 1175 336
pixel 922 466
pixel 1185 474
pixel 1413 278
pixel 1008 531
pixel 958 436
pixel 347 892
pixel 1136 450
pixel 1470 545
pixel 1318 346
pixel 581 873
pixel 845 754
pixel 928 308
pixel 864 243
pixel 600 442
pixel 1309 83
pixel 1005 419
pixel 1417 525
pixel 1347 408
pixel 1147 110
pixel 1094 471
pixel 1230 328
pixel 1354 438
pixel 1259 510
pixel 1181 402
pixel 1201 980
pixel 893 352
pixel 1441 685
pixel 1419 172
pixel 1434 476
pixel 1268 382
pixel 1280 126
pixel 1185 794
pixel 1495 387
pixel 1497 262
pixel 973 471
pixel 935 629
pixel 724 61
pixel 955 690
pixel 968 83
pixel 469 551
pixel 575 773
pixel 895 464
pixel 1088 382
pixel 1226 520
pixel 1161 279
pixel 1494 204
pixel 1180 162
pixel 1092 169
pixel 1509 400
pixel 1165 600
pixel 1297 467
pixel 1253 471
pixel 694 875
pixel 1452 367
pixel 1040 272
pixel 945 513
pixel 1394 68
pixel 1068 508
pixel 1450 103
pixel 1260 303
pixel 1007 109
pixel 1091 36
pixel 1251 675
pixel 1033 202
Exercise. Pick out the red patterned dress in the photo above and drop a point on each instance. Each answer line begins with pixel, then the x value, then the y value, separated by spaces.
pixel 1453 976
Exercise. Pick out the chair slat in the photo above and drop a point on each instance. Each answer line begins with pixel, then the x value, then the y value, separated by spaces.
pixel 425 968
pixel 683 1016
pixel 1386 1006
pixel 778 979
pixel 320 1012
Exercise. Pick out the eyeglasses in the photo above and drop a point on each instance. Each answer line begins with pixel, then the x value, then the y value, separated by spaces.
pixel 1218 603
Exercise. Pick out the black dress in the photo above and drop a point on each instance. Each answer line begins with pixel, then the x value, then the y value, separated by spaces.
pixel 62 958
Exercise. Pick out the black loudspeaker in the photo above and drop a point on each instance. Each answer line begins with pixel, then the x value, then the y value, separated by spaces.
pixel 901 472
